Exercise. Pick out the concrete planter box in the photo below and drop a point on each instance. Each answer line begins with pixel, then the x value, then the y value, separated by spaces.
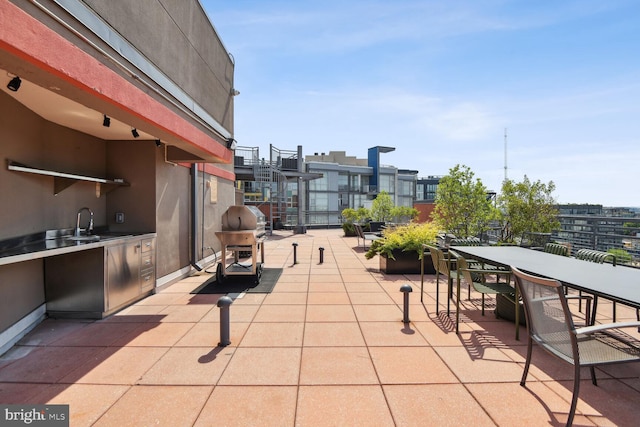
pixel 405 263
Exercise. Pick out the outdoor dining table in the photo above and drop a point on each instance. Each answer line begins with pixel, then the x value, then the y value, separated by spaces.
pixel 615 283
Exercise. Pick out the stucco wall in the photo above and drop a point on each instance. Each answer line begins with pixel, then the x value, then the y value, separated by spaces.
pixel 164 30
pixel 28 201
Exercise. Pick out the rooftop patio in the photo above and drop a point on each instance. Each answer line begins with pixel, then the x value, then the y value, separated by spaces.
pixel 326 347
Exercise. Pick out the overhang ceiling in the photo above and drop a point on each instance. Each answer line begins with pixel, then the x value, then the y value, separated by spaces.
pixel 65 112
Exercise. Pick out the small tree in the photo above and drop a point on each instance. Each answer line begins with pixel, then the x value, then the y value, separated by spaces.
pixel 462 206
pixel 381 207
pixel 352 216
pixel 349 215
pixel 526 207
pixel 402 214
pixel 622 256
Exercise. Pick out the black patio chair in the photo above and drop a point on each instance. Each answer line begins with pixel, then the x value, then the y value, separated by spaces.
pixel 551 326
pixel 477 278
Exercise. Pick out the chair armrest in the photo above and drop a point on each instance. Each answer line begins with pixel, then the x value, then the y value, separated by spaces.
pixel 596 328
pixel 477 270
pixel 587 297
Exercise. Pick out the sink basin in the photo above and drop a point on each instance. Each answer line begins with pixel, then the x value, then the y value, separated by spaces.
pixel 92 238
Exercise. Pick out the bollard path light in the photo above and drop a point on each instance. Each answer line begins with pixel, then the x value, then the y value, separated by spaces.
pixel 406 289
pixel 295 255
pixel 224 303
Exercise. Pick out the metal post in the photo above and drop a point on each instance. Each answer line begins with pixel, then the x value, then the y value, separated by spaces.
pixel 295 254
pixel 321 249
pixel 224 303
pixel 406 289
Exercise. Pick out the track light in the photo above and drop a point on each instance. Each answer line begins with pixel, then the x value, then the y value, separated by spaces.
pixel 135 133
pixel 231 143
pixel 158 143
pixel 106 121
pixel 14 84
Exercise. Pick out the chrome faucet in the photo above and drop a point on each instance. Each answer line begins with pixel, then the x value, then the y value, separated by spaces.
pixel 89 228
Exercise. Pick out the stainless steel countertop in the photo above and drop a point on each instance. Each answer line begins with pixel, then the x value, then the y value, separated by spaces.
pixel 35 249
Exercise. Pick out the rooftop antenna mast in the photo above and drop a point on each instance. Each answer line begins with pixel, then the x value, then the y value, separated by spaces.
pixel 505 154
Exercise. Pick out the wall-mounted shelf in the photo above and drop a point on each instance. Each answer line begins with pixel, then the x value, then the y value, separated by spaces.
pixel 62 180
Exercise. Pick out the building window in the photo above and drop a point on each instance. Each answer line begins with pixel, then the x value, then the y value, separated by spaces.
pixel 319 184
pixel 343 182
pixel 419 191
pixel 387 183
pixel 318 202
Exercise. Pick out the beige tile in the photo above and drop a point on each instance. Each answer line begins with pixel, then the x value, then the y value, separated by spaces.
pixel 534 405
pixel 321 279
pixel 198 299
pixel 98 334
pixel 391 333
pixel 20 393
pixel 189 366
pixel 263 366
pixel 286 298
pixel 339 405
pixel 249 299
pixel 154 335
pixel 273 335
pixel 336 286
pixel 373 298
pixel 292 278
pixel 333 334
pixel 163 363
pixel 608 403
pixel 358 278
pixel 44 364
pixel 164 298
pixel 328 298
pixel 116 366
pixel 292 286
pixel 369 285
pixel 410 365
pixel 280 313
pixel 480 364
pixel 51 330
pixel 373 313
pixel 87 402
pixel 435 405
pixel 184 286
pixel 249 406
pixel 237 313
pixel 209 335
pixel 185 313
pixel 330 313
pixel 138 313
pixel 336 365
pixel 171 406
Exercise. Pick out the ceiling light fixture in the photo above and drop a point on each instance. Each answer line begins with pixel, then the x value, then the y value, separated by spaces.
pixel 14 84
pixel 135 133
pixel 106 121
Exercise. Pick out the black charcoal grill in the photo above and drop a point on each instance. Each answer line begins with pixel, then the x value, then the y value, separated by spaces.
pixel 243 231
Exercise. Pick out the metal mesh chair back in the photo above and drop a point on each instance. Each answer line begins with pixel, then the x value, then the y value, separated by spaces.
pixel 548 317
pixel 436 255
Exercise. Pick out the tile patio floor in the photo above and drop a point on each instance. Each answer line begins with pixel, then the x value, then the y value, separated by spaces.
pixel 326 348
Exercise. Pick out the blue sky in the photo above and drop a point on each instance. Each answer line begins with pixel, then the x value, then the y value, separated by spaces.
pixel 441 81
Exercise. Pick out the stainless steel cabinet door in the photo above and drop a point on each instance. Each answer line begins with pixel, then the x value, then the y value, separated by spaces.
pixel 123 273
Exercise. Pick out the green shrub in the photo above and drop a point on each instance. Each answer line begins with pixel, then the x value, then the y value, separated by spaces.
pixel 408 237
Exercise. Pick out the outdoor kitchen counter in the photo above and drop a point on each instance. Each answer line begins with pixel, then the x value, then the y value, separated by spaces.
pixel 43 248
